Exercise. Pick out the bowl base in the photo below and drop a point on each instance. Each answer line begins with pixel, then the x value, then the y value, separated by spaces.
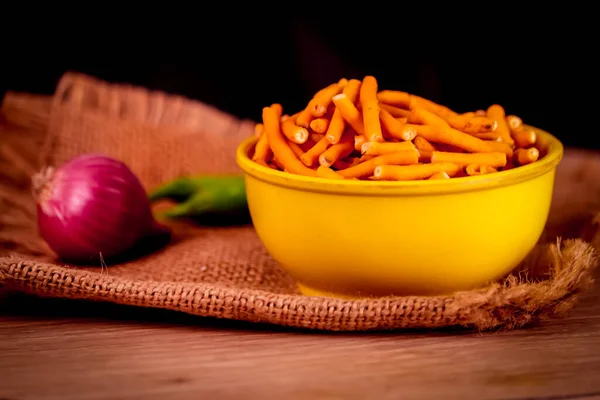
pixel 309 291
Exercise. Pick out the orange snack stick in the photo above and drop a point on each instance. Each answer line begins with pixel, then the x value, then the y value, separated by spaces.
pixel 306 146
pixel 394 98
pixel 496 112
pixel 501 147
pixel 526 156
pixel 316 104
pixel 492 159
pixel 439 175
pixel 326 172
pixel 394 127
pixel 437 109
pixel 425 156
pixel 472 125
pixel 262 151
pixel 449 148
pixel 395 111
pixel 366 167
pixel 293 132
pixel 454 137
pixel 422 116
pixel 370 109
pixel 346 163
pixel 362 159
pixel 338 123
pixel 349 112
pixel 279 145
pixel 322 99
pixel 468 114
pixel 338 151
pixel 428 113
pixel 319 125
pixel 310 157
pixel 358 142
pixel 278 165
pixel 316 137
pixel 352 90
pixel 481 113
pixel 486 169
pixel 413 172
pixel 422 144
pixel 474 169
pixel 488 136
pixel 524 138
pixel 380 148
pixel 513 122
pixel 278 108
pixel 296 148
pixel 403 132
pixel 258 129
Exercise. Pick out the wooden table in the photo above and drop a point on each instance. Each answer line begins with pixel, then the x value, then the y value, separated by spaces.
pixel 60 349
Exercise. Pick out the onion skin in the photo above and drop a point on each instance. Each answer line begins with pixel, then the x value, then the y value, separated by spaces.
pixel 92 208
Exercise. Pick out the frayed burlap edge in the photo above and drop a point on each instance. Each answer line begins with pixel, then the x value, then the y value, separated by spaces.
pixel 566 270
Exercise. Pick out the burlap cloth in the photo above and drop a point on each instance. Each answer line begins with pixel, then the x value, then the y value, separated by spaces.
pixel 226 272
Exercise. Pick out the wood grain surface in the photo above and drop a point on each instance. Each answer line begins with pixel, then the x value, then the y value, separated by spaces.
pixel 61 349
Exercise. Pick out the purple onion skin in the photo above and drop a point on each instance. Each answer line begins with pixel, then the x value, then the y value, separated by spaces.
pixel 93 207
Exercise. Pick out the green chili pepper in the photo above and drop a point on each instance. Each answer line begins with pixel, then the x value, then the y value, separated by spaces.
pixel 223 195
pixel 184 187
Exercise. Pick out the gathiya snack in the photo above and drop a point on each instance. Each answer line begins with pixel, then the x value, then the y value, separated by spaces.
pixel 351 130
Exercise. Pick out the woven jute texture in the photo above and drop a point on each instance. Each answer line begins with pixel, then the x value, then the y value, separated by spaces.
pixel 226 272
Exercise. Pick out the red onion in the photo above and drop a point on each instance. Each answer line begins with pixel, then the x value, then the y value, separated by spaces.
pixel 92 207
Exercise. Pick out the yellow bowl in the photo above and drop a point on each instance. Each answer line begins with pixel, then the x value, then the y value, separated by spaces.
pixel 368 238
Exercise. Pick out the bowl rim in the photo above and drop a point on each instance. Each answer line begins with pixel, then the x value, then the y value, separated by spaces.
pixel 548 162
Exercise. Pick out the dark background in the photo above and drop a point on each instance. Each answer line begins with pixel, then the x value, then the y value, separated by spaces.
pixel 540 68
